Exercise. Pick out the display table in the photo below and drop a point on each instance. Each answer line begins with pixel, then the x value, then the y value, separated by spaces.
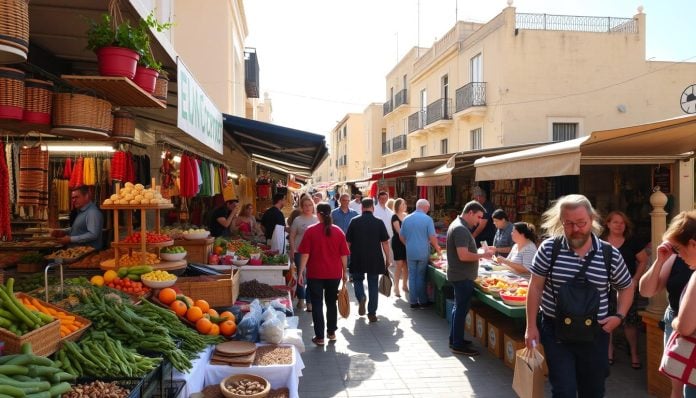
pixel 268 274
pixel 438 278
pixel 204 374
pixel 516 312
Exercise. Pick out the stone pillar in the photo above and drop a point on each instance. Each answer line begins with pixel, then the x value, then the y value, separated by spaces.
pixel 658 222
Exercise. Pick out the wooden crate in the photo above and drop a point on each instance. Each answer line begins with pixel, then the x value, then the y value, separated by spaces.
pixel 44 340
pixel 218 290
pixel 512 341
pixel 74 336
pixel 658 384
pixel 197 250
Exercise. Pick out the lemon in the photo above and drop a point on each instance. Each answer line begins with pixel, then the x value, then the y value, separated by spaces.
pixel 97 280
pixel 109 276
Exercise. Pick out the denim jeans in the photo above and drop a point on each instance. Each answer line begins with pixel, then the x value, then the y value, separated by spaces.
pixel 302 292
pixel 372 290
pixel 416 281
pixel 575 368
pixel 324 290
pixel 463 290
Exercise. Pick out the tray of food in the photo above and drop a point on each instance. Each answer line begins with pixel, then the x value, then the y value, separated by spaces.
pixel 70 255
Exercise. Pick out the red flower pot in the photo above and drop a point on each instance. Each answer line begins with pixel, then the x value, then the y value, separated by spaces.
pixel 117 61
pixel 146 78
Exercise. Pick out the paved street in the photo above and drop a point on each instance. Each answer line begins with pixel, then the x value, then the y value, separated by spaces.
pixel 405 354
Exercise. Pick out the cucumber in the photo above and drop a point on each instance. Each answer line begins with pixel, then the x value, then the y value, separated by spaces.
pixel 133 277
pixel 122 272
pixel 11 370
pixel 140 269
pixel 12 391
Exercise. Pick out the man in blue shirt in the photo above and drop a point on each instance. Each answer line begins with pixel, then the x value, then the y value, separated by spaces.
pixel 86 230
pixel 418 233
pixel 342 215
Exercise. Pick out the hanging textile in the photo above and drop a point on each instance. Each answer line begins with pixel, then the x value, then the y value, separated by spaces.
pixel 77 176
pixel 88 171
pixel 130 168
pixel 199 177
pixel 67 169
pixel 5 206
pixel 106 170
pixel 422 192
pixel 213 176
pixel 118 166
pixel 9 160
pixel 145 175
pixel 33 181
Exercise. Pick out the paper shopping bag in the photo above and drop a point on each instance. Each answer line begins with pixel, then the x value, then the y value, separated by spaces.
pixel 343 302
pixel 278 239
pixel 385 284
pixel 528 381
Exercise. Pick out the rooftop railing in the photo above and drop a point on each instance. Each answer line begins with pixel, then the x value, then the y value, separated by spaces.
pixel 575 23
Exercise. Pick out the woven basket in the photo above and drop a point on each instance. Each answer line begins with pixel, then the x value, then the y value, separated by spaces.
pixel 11 93
pixel 38 101
pixel 161 87
pixel 44 340
pixel 83 113
pixel 124 125
pixel 14 31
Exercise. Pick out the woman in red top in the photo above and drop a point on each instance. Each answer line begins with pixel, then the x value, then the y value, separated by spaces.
pixel 324 253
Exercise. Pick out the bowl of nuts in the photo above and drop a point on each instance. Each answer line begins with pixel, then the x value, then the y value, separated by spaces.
pixel 245 386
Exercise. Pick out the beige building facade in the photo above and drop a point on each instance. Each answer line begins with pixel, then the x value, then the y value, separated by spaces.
pixel 352 144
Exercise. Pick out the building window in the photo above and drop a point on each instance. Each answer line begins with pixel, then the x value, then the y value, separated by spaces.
pixel 565 131
pixel 476 69
pixel 443 146
pixel 476 139
pixel 423 150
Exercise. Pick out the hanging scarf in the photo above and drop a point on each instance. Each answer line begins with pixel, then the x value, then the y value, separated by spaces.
pixel 77 175
pixel 5 228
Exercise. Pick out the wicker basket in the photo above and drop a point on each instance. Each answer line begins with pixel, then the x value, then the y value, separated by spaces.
pixel 124 125
pixel 74 336
pixel 29 267
pixel 161 87
pixel 38 101
pixel 11 93
pixel 14 31
pixel 239 377
pixel 218 291
pixel 44 340
pixel 80 114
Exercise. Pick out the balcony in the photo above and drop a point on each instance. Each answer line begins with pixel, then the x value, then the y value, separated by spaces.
pixel 439 110
pixel 251 73
pixel 416 121
pixel 401 98
pixel 398 143
pixel 574 23
pixel 387 107
pixel 470 96
pixel 385 147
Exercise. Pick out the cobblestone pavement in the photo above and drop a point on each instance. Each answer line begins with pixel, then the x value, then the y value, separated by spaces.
pixel 405 354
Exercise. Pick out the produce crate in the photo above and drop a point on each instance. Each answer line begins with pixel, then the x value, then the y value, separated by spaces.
pixel 497 326
pixel 218 291
pixel 147 387
pixel 44 340
pixel 74 336
pixel 512 341
pixel 197 250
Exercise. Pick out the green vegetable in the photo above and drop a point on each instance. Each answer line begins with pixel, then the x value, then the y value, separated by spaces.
pixel 12 391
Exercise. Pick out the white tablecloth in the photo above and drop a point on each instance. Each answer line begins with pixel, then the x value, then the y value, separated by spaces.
pixel 278 375
pixel 196 376
pixel 203 374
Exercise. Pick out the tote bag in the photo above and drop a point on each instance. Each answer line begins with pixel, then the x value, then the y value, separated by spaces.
pixel 679 359
pixel 343 302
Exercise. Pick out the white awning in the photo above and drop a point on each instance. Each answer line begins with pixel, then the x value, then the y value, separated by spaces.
pixel 438 176
pixel 659 142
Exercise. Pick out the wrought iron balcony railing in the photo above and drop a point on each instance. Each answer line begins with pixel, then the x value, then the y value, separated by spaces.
pixel 439 110
pixel 398 143
pixel 400 98
pixel 472 94
pixel 416 121
pixel 387 107
pixel 575 23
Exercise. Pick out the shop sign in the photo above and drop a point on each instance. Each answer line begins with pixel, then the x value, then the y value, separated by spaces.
pixel 197 116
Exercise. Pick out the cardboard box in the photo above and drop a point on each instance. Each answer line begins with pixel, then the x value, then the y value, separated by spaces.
pixel 481 327
pixel 512 341
pixel 469 322
pixel 495 329
pixel 218 290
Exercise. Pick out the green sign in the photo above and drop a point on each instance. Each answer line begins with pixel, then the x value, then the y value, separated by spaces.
pixel 197 116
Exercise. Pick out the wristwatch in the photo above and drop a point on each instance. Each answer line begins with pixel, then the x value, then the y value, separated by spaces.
pixel 620 316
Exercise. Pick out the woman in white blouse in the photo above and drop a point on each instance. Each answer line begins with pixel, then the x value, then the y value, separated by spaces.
pixel 522 254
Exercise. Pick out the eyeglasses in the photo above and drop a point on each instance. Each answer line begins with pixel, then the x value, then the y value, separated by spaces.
pixel 675 249
pixel 579 224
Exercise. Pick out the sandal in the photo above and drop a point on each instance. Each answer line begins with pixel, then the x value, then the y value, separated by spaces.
pixel 318 341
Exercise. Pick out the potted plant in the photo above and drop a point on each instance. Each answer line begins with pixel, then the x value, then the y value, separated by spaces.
pixel 149 68
pixel 118 47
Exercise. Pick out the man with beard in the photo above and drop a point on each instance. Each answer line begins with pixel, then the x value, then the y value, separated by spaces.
pixel 575 368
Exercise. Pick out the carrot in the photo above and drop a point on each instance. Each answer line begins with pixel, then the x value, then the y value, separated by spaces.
pixel 38 305
pixel 64 331
pixel 71 327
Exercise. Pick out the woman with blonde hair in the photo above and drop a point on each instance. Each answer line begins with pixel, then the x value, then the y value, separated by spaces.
pixel 398 248
pixel 297 230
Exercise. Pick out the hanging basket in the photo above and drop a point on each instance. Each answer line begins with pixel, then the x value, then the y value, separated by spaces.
pixel 117 61
pixel 161 87
pixel 81 116
pixel 146 78
pixel 11 93
pixel 14 31
pixel 124 125
pixel 38 101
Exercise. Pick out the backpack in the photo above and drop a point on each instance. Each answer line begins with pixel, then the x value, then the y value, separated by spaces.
pixel 577 301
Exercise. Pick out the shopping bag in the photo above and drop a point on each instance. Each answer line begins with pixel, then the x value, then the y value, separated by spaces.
pixel 528 381
pixel 343 302
pixel 385 284
pixel 278 239
pixel 678 359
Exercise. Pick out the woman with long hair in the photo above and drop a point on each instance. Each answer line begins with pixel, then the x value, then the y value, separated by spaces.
pixel 324 255
pixel 672 271
pixel 297 230
pixel 618 232
pixel 245 223
pixel 503 232
pixel 521 256
pixel 398 248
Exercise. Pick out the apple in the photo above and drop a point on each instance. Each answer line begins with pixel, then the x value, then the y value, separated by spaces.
pixel 255 261
pixel 227 260
pixel 213 259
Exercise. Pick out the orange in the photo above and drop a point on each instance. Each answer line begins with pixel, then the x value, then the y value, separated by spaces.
pixel 214 330
pixel 167 295
pixel 203 325
pixel 97 280
pixel 203 305
pixel 212 312
pixel 229 315
pixel 110 275
pixel 178 307
pixel 194 314
pixel 228 328
pixel 219 250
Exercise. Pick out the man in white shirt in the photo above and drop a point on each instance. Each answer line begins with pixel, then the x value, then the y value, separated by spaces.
pixel 356 203
pixel 383 212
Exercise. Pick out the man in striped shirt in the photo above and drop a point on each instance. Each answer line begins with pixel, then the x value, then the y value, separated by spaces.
pixel 575 369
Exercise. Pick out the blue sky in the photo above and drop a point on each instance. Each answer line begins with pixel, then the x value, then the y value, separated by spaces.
pixel 321 59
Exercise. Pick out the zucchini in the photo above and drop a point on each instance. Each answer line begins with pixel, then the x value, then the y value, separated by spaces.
pixel 12 391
